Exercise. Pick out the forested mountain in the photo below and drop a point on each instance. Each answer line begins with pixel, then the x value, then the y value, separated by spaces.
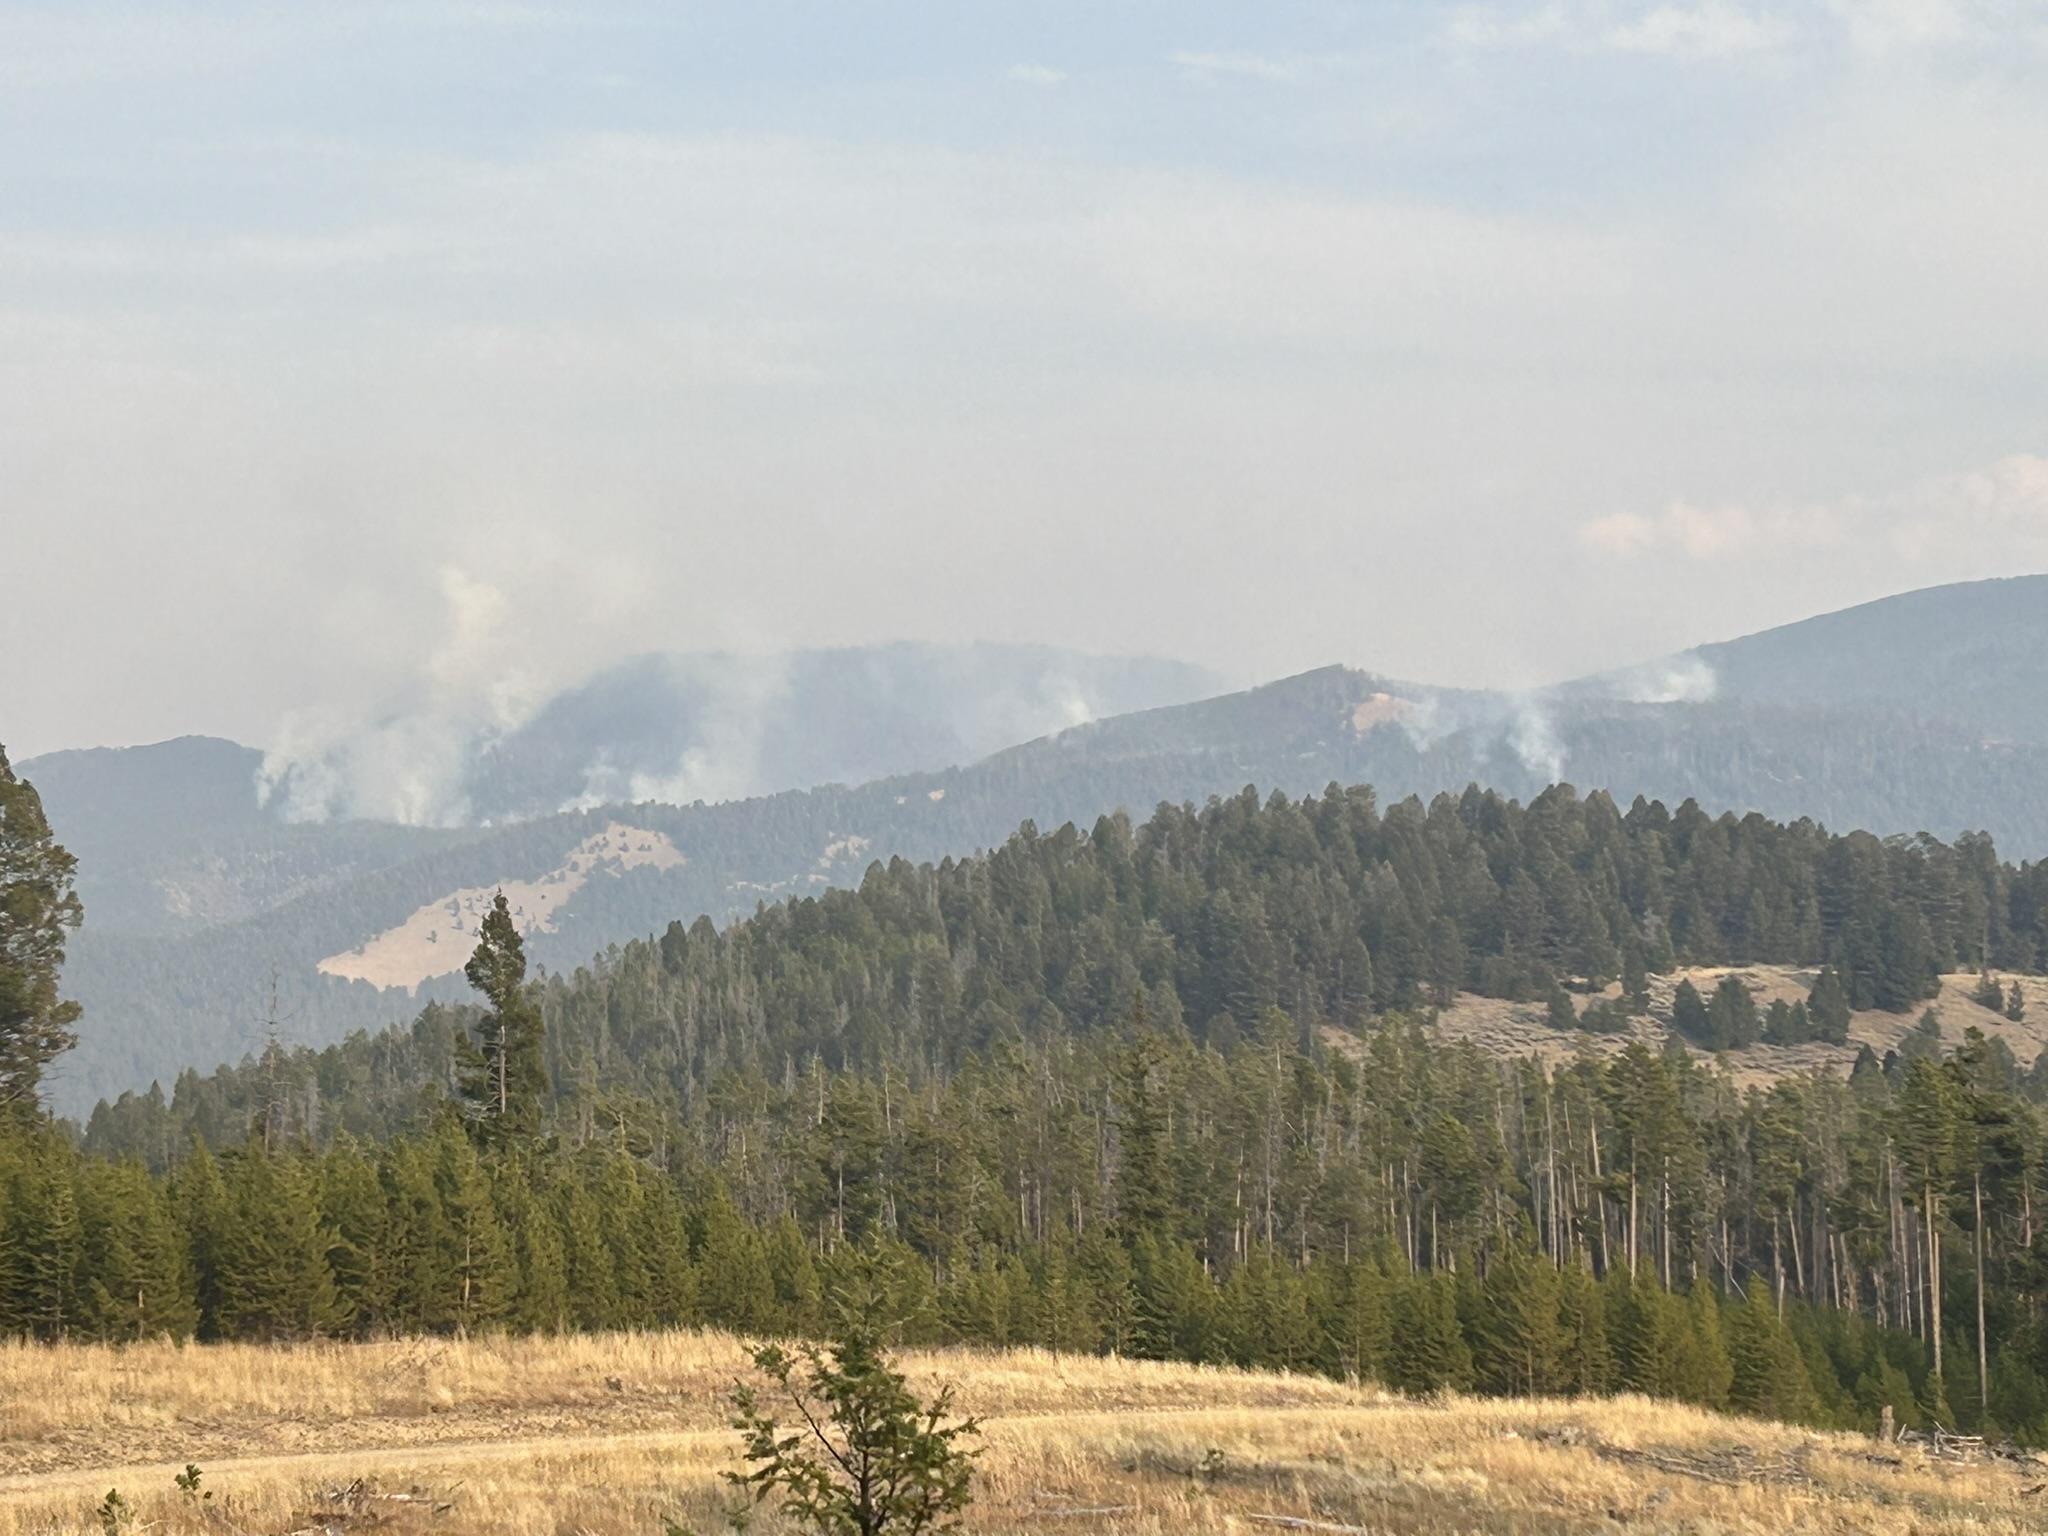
pixel 681 728
pixel 1968 655
pixel 186 834
pixel 1331 908
pixel 185 928
pixel 1164 1089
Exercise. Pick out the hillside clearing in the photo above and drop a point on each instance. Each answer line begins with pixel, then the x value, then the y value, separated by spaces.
pixel 1519 1029
pixel 609 1434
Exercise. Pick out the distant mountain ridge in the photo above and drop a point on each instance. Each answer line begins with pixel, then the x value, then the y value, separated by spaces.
pixel 1971 655
pixel 1723 724
pixel 683 727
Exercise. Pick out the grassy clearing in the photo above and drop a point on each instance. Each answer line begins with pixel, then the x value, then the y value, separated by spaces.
pixel 601 1435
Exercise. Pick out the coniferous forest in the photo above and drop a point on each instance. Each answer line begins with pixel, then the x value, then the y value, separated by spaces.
pixel 1166 1090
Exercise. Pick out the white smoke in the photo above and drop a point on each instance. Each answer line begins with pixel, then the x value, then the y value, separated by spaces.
pixel 1683 679
pixel 1423 721
pixel 1533 738
pixel 410 761
pixel 725 764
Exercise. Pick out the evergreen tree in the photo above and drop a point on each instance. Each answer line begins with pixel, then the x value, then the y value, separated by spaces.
pixel 538 1264
pixel 271 1252
pixel 1144 1190
pixel 1635 980
pixel 474 1256
pixel 138 1285
pixel 1689 1015
pixel 1828 1007
pixel 38 908
pixel 1767 1373
pixel 503 1076
pixel 1525 1343
pixel 1585 1362
pixel 1560 1014
pixel 199 1206
pixel 1731 1017
pixel 1427 1350
pixel 733 1284
pixel 41 1243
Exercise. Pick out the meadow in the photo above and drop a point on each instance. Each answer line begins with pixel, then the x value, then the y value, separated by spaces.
pixel 626 1432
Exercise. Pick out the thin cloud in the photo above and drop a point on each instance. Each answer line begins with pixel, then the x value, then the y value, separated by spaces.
pixel 1488 26
pixel 1040 75
pixel 1998 511
pixel 1709 31
pixel 1275 69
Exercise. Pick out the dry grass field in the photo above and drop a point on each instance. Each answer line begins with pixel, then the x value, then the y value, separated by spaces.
pixel 1520 1029
pixel 612 1435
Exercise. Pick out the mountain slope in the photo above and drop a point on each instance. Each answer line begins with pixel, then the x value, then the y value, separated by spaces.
pixel 167 993
pixel 1969 655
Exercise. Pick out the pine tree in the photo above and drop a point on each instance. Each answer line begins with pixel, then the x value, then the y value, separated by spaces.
pixel 793 1279
pixel 671 1279
pixel 540 1301
pixel 1363 1326
pixel 199 1208
pixel 1635 980
pixel 138 1283
pixel 37 909
pixel 353 1209
pixel 1704 1371
pixel 733 1284
pixel 1559 1012
pixel 1585 1363
pixel 1927 1127
pixel 1689 1015
pixel 1427 1351
pixel 1524 1341
pixel 41 1244
pixel 591 1265
pixel 503 1076
pixel 1144 1191
pixel 475 1258
pixel 1828 1007
pixel 1731 1017
pixel 1174 1301
pixel 2016 1004
pixel 1767 1373
pixel 272 1253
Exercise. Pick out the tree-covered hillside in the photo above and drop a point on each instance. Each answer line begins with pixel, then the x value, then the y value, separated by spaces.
pixel 1331 909
pixel 1086 1088
pixel 189 988
pixel 1968 655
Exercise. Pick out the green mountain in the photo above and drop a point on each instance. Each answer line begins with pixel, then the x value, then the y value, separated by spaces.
pixel 358 922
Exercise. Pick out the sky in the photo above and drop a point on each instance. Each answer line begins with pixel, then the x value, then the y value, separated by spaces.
pixel 367 360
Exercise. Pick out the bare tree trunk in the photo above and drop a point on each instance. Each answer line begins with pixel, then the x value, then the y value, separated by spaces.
pixel 1928 1211
pixel 1632 1212
pixel 1777 1263
pixel 1664 1223
pixel 1983 1355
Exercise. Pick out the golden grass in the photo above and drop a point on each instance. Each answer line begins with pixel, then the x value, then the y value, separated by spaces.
pixel 1522 1029
pixel 536 1437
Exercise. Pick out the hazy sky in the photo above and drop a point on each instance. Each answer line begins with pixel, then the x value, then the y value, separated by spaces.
pixel 369 357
